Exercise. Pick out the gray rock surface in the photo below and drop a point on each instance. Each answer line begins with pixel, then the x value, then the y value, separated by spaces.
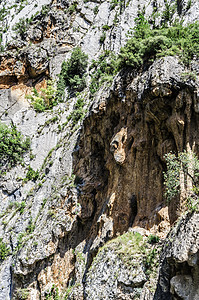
pixel 179 271
pixel 119 270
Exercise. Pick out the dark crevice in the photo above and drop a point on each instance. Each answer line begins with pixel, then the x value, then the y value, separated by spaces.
pixel 130 143
pixel 134 210
pixel 39 289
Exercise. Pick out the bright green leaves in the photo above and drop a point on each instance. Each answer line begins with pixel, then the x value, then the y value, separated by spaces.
pixel 45 99
pixel 12 145
pixel 146 43
pixel 73 74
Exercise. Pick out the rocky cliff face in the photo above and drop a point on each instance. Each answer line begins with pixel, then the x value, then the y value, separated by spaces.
pixel 82 228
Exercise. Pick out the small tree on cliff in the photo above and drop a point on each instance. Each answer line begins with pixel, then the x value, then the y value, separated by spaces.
pixel 73 73
pixel 12 146
pixel 182 174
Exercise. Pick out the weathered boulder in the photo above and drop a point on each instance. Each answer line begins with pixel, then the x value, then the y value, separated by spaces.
pixel 178 277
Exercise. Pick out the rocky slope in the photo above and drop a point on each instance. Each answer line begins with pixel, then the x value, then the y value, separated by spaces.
pixel 84 227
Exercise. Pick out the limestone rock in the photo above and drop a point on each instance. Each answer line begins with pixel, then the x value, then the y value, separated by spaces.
pixel 118 270
pixel 117 145
pixel 179 271
pixel 181 285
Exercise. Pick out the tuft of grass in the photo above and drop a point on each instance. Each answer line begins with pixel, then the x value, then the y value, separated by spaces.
pixel 31 174
pixel 128 244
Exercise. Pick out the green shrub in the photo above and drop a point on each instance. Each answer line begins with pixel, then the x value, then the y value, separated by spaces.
pixel 3 13
pixel 73 74
pixel 45 9
pixel 105 27
pixel 12 145
pixel 187 164
pixel 146 43
pixel 78 112
pixel 31 227
pixel 22 26
pixel 53 294
pixel 102 38
pixel 45 99
pixel 21 207
pixel 113 4
pixel 32 174
pixel 37 101
pixel 4 250
pixel 61 86
pixel 153 239
pixel 189 3
pixel 103 70
pixel 72 8
pixel 1 46
pixel 95 10
pixel 44 202
pixel 168 12
pixel 150 260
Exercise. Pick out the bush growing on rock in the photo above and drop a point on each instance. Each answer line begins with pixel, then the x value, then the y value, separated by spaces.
pixel 153 239
pixel 22 26
pixel 103 70
pixel 4 250
pixel 45 99
pixel 78 112
pixel 31 174
pixel 12 145
pixel 182 169
pixel 73 74
pixel 146 43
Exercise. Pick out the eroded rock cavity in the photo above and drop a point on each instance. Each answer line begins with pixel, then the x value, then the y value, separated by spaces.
pixel 120 154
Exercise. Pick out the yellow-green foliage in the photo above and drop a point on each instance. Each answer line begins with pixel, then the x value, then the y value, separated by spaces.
pixel 45 99
pixel 129 244
pixel 132 245
pixel 22 294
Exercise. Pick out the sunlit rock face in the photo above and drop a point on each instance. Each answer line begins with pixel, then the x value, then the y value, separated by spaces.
pixel 129 139
pixel 117 146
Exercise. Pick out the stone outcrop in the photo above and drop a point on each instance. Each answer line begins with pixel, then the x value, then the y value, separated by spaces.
pixel 120 270
pixel 152 111
pixel 179 270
